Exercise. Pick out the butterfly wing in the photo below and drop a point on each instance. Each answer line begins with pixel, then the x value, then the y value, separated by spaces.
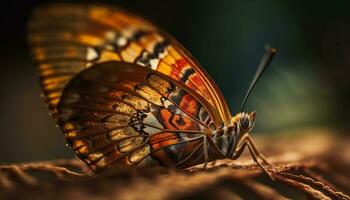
pixel 67 38
pixel 118 113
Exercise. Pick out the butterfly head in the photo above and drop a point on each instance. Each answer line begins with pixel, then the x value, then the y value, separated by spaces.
pixel 244 121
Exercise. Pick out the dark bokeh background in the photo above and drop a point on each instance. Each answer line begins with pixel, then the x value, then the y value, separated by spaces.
pixel 307 85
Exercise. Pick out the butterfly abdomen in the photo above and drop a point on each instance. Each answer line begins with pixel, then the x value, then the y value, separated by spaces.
pixel 225 138
pixel 182 155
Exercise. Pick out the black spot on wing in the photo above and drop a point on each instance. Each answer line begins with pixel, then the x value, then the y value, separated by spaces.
pixel 145 57
pixel 136 36
pixel 187 73
pixel 159 48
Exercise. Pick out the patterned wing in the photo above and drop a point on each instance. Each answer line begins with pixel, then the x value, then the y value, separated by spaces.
pixel 118 113
pixel 67 38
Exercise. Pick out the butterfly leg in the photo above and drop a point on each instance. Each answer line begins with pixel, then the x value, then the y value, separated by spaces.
pixel 239 151
pixel 255 158
pixel 247 141
pixel 258 154
pixel 205 149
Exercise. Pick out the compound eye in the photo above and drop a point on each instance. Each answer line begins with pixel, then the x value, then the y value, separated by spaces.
pixel 244 122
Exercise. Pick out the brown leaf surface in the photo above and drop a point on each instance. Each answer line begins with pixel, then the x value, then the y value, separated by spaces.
pixel 309 164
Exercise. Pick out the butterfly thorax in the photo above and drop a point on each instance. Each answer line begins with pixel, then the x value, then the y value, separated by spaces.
pixel 227 137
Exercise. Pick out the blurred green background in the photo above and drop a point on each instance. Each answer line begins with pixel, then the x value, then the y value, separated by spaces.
pixel 307 84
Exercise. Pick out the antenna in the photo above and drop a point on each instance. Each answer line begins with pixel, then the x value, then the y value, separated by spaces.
pixel 264 63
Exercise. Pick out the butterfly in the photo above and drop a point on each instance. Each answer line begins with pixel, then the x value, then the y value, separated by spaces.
pixel 125 93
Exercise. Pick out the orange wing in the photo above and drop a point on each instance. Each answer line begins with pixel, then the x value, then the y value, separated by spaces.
pixel 118 113
pixel 67 38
